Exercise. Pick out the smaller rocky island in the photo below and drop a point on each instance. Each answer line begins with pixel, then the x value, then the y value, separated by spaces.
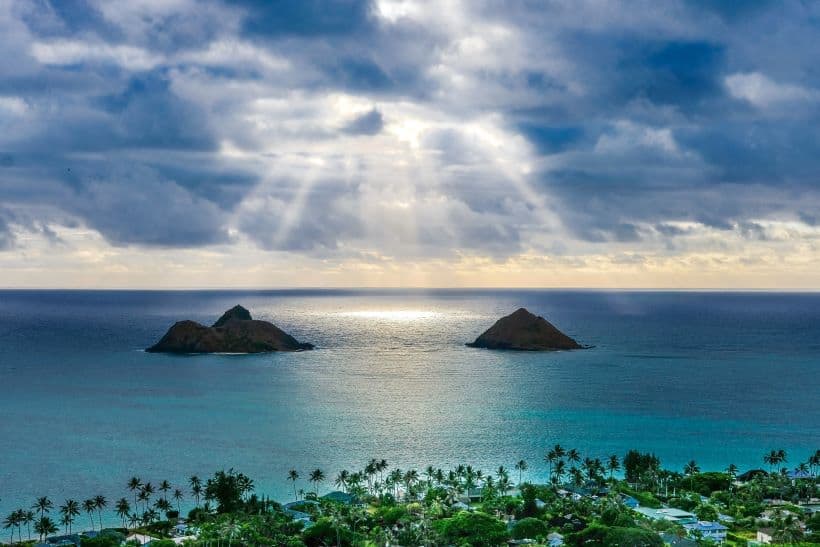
pixel 524 331
pixel 235 332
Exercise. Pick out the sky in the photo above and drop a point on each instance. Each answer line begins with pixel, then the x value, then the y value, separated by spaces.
pixel 406 143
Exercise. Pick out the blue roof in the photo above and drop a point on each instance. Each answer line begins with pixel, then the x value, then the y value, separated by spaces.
pixel 704 526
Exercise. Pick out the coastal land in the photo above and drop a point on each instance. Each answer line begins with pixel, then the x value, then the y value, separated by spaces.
pixel 630 500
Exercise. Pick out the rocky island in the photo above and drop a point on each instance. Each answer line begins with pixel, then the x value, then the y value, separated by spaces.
pixel 235 332
pixel 522 330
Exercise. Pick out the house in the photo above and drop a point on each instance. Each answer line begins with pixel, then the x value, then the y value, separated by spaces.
pixel 671 514
pixel 798 474
pixel 554 539
pixel 629 501
pixel 141 539
pixel 707 530
pixel 675 541
pixel 64 541
pixel 765 536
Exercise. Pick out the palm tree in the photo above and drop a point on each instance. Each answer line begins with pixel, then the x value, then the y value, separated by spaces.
pixel 369 471
pixel 163 505
pixel 731 470
pixel 293 476
pixel 613 465
pixel 178 497
pixel 123 508
pixel 573 456
pixel 43 505
pixel 10 523
pixel 814 461
pixel 773 458
pixel 196 488
pixel 45 527
pixel 27 519
pixel 341 479
pixel 100 503
pixel 145 494
pixel 781 456
pixel 90 507
pixel 559 451
pixel 521 466
pixel 550 459
pixel 577 476
pixel 690 469
pixel 560 469
pixel 164 487
pixel 134 484
pixel 381 466
pixel 69 510
pixel 411 477
pixel 317 476
pixel 133 520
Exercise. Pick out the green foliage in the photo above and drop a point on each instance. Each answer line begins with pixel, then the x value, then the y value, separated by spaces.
pixel 326 532
pixel 106 538
pixel 706 483
pixel 474 529
pixel 227 488
pixel 528 507
pixel 706 512
pixel 613 535
pixel 637 465
pixel 685 502
pixel 615 516
pixel 163 543
pixel 391 515
pixel 646 499
pixel 529 528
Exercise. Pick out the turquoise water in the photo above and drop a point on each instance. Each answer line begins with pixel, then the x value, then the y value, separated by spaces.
pixel 719 378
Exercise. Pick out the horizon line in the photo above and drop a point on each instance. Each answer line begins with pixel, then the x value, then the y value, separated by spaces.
pixel 423 288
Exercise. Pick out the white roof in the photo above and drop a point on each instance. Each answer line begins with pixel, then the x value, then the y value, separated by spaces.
pixel 141 538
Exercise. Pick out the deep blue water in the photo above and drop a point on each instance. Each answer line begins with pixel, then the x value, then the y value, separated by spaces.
pixel 719 378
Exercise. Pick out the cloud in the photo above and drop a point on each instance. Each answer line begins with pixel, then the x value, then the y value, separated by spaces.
pixel 762 92
pixel 369 123
pixel 409 130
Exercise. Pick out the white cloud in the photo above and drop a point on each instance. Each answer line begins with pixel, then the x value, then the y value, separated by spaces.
pixel 628 136
pixel 68 52
pixel 16 106
pixel 761 91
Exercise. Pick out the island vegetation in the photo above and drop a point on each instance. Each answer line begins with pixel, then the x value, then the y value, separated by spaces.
pixel 234 332
pixel 630 500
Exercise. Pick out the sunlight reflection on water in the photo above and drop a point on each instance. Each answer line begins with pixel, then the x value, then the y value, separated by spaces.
pixel 393 315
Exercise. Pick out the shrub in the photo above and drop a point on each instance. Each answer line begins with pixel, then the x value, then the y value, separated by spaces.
pixel 615 535
pixel 475 529
pixel 529 528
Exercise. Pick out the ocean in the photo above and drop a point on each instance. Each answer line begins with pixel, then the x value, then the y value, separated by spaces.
pixel 715 377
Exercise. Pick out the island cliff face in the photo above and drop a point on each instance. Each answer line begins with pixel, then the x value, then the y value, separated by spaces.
pixel 525 331
pixel 235 332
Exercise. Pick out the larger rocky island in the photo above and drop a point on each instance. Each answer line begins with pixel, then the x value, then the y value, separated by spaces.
pixel 522 330
pixel 235 332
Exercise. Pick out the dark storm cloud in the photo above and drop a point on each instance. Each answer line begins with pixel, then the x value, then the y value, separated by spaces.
pixel 320 18
pixel 369 123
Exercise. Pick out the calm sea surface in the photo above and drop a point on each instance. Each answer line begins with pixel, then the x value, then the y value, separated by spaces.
pixel 719 378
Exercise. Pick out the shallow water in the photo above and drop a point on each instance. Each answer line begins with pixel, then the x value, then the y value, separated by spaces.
pixel 719 378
